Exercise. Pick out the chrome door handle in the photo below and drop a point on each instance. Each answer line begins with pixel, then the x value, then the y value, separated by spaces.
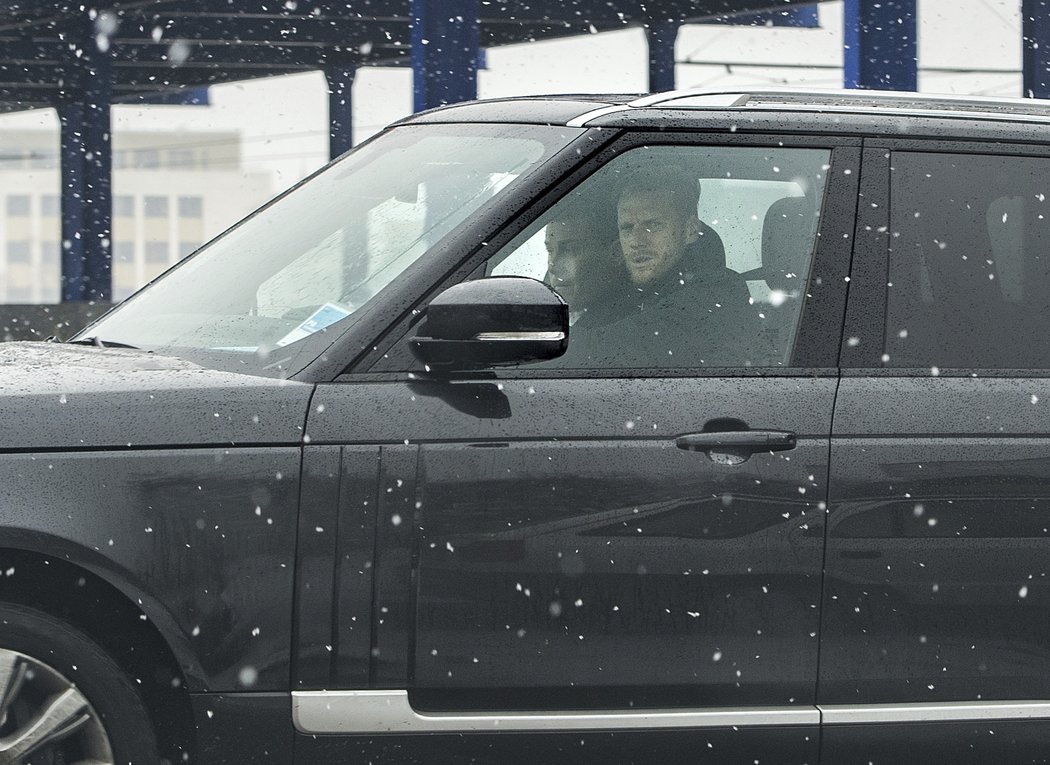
pixel 738 440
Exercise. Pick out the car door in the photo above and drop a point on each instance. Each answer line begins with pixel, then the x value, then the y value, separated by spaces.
pixel 599 558
pixel 934 643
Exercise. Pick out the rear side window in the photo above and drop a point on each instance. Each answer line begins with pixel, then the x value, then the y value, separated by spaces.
pixel 969 275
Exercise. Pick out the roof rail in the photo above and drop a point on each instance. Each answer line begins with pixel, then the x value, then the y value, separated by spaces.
pixel 839 101
pixel 854 98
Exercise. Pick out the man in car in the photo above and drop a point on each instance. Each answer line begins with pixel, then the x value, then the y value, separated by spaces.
pixel 677 305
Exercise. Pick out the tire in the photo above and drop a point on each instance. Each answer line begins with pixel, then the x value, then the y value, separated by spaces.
pixel 63 700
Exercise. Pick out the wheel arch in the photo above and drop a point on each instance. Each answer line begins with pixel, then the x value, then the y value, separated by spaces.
pixel 114 618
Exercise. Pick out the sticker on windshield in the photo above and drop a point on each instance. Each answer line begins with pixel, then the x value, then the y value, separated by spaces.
pixel 324 316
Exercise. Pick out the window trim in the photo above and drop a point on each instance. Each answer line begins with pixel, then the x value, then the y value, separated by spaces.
pixel 819 332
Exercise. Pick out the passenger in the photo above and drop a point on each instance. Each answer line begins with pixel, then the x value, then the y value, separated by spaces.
pixel 678 305
pixel 578 258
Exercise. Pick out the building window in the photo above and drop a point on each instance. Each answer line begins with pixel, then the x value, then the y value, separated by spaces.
pixel 50 251
pixel 18 251
pixel 185 248
pixel 124 252
pixel 49 205
pixel 147 158
pixel 156 207
pixel 191 207
pixel 182 159
pixel 124 206
pixel 18 204
pixel 156 252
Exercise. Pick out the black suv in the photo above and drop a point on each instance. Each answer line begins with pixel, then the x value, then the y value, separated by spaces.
pixel 691 428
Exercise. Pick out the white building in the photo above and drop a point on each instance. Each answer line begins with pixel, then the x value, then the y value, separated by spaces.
pixel 172 191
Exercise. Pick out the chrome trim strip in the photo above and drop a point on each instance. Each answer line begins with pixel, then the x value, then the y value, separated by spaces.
pixel 959 711
pixel 657 98
pixel 586 117
pixel 371 712
pixel 719 100
pixel 520 336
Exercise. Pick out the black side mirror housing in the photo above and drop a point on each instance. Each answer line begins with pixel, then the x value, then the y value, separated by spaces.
pixel 497 321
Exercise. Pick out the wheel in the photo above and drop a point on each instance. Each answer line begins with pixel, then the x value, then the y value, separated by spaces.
pixel 63 700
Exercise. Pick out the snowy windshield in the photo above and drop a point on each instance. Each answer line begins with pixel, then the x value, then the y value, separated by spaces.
pixel 262 297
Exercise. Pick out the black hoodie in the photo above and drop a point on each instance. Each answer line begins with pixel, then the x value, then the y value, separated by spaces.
pixel 699 314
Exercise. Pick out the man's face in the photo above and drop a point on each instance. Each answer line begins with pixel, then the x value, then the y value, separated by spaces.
pixel 653 234
pixel 573 252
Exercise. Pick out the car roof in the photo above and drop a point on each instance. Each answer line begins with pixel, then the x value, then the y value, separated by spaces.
pixel 861 112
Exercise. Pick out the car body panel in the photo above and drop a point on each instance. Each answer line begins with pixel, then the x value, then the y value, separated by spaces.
pixel 725 746
pixel 202 540
pixel 972 743
pixel 119 399
pixel 336 551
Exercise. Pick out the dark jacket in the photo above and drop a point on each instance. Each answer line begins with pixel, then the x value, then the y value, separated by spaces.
pixel 697 315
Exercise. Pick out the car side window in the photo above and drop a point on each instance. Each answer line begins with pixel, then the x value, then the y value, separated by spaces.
pixel 969 267
pixel 680 257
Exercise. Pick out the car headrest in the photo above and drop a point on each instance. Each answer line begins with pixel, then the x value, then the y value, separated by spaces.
pixel 787 239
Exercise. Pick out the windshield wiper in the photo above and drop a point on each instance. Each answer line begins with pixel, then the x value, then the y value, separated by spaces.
pixel 98 342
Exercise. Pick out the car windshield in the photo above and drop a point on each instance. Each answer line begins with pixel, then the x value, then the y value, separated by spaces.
pixel 261 298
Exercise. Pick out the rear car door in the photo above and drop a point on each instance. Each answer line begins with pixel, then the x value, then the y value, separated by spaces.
pixel 934 645
pixel 603 558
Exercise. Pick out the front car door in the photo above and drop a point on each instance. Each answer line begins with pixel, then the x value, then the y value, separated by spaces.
pixel 607 557
pixel 935 646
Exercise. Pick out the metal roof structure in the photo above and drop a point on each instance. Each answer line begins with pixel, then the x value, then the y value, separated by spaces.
pixel 163 46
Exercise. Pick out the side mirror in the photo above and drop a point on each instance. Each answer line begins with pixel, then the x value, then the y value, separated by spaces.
pixel 496 321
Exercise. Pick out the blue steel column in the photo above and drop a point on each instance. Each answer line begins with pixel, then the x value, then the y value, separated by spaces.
pixel 1035 31
pixel 445 43
pixel 340 109
pixel 806 16
pixel 881 49
pixel 86 169
pixel 661 34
